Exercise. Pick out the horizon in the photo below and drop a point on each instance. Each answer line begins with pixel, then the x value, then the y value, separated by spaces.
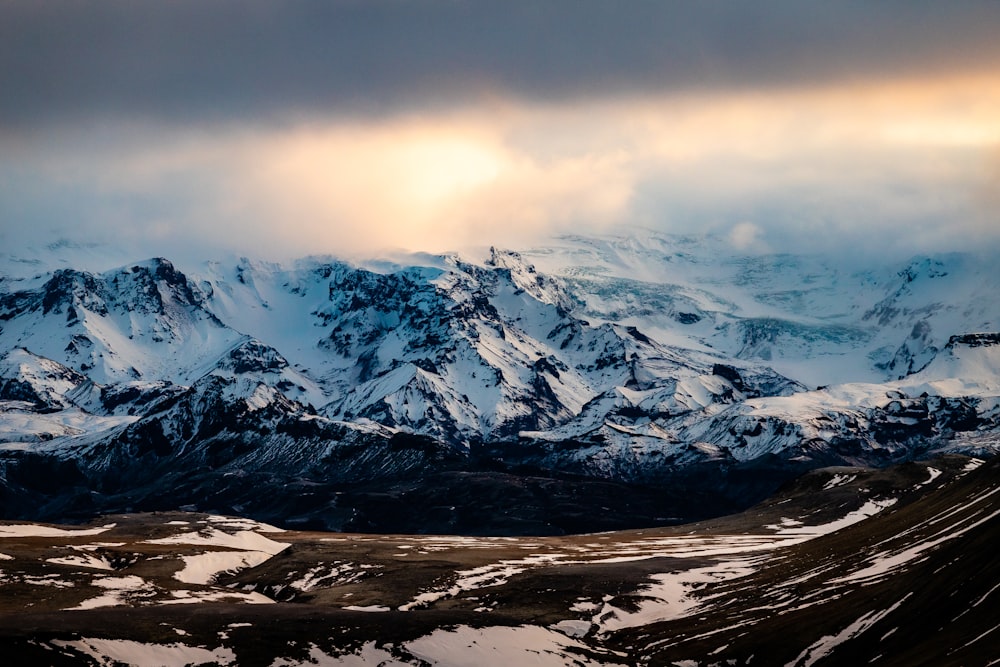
pixel 45 256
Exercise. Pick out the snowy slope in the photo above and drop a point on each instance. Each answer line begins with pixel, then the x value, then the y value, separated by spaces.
pixel 144 321
pixel 615 357
pixel 814 319
pixel 44 383
pixel 453 349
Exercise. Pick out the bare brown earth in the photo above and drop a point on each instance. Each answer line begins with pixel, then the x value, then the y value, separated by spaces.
pixel 915 584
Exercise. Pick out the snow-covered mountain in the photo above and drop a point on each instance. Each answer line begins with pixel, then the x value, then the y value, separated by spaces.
pixel 818 319
pixel 618 358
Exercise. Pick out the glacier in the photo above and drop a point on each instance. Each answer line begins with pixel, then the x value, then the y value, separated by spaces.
pixel 651 359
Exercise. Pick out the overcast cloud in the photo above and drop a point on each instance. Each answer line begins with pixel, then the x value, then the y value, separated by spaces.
pixel 348 127
pixel 192 60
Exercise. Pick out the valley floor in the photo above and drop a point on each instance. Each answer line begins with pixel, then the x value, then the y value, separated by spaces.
pixel 845 566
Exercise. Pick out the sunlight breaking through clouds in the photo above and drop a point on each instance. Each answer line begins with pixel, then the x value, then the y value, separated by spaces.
pixel 899 159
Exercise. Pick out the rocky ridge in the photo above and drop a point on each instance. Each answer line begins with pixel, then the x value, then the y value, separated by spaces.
pixel 650 364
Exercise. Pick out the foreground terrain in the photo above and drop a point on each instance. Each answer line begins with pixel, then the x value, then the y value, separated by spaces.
pixel 843 566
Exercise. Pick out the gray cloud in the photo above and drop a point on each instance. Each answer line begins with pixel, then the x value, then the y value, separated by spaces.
pixel 342 126
pixel 189 60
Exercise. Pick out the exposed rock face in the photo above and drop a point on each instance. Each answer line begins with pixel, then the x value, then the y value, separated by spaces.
pixel 345 374
pixel 974 340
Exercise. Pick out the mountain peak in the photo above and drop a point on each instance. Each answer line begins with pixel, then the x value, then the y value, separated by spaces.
pixel 621 359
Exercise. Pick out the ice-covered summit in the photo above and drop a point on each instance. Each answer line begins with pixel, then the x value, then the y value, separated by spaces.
pixel 618 358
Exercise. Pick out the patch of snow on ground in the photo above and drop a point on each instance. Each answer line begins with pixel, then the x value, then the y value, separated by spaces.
pixel 525 646
pixel 82 560
pixel 122 651
pixel 6 557
pixel 883 563
pixel 980 600
pixel 36 530
pixel 193 597
pixel 870 508
pixel 972 465
pixel 495 574
pixel 670 596
pixel 684 546
pixel 443 542
pixel 825 645
pixel 934 474
pixel 337 574
pixel 369 654
pixel 244 540
pixel 47 580
pixel 978 637
pixel 120 589
pixel 204 568
pixel 839 480
pixel 572 627
pixel 370 608
pixel 241 523
pixel 691 546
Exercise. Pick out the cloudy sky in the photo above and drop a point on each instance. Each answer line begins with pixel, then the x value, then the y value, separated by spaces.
pixel 284 128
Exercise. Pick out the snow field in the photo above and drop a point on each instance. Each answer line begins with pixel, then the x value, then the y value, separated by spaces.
pixel 109 652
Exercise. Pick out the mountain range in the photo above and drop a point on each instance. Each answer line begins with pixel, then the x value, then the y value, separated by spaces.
pixel 594 382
